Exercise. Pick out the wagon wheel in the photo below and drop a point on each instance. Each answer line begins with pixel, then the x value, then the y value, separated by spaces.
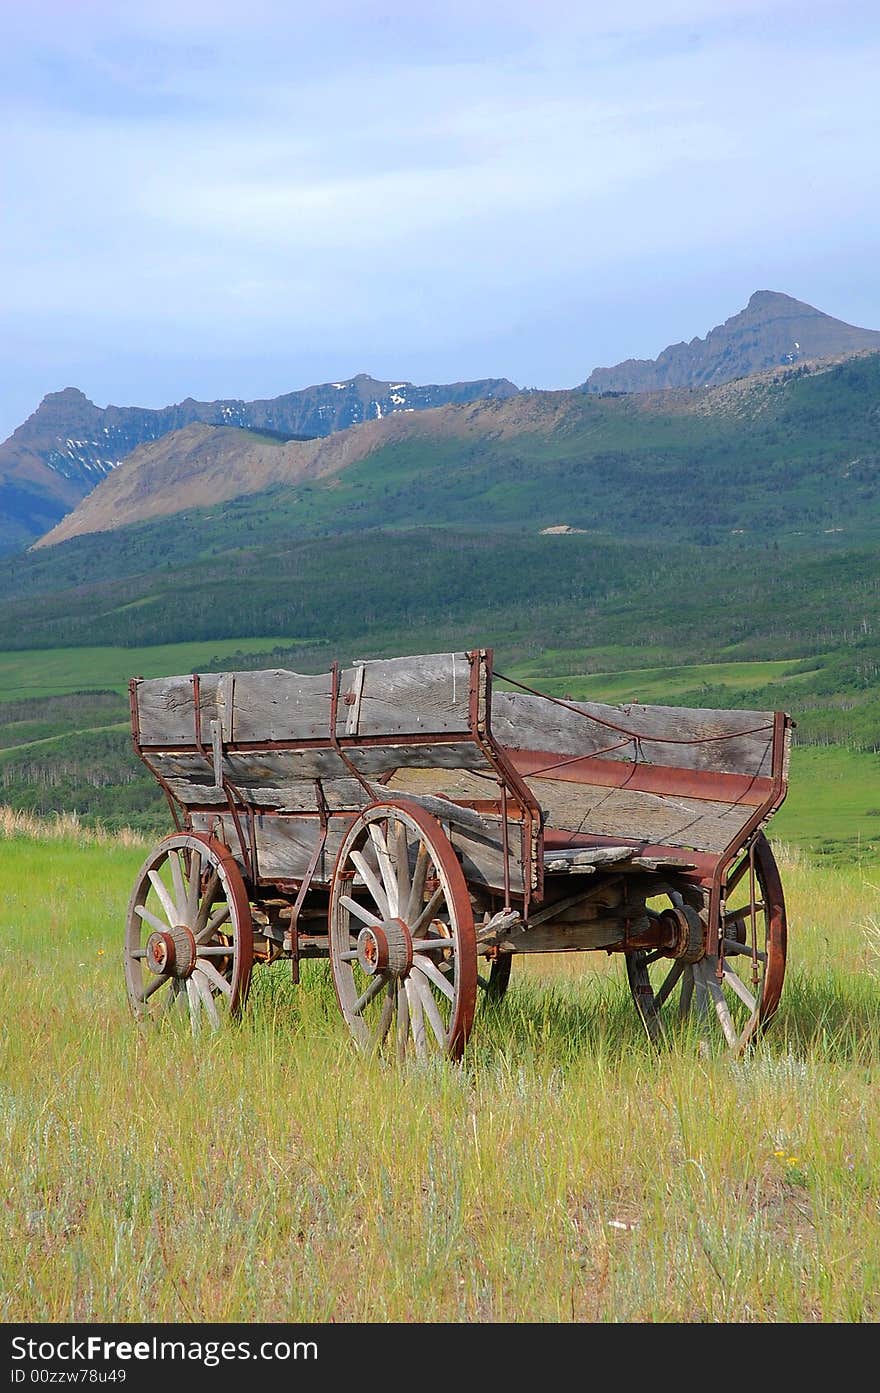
pixel 753 963
pixel 189 936
pixel 401 929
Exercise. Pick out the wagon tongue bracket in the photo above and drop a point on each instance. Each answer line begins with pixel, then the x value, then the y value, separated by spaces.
pixel 385 948
pixel 171 952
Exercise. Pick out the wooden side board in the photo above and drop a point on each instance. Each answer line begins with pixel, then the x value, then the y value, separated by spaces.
pixel 427 694
pixel 285 844
pixel 646 817
pixel 735 742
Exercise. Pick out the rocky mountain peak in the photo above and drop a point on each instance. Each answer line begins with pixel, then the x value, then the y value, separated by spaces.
pixel 773 330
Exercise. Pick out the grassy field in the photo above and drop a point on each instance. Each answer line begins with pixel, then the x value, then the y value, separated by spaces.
pixel 564 1172
pixel 53 671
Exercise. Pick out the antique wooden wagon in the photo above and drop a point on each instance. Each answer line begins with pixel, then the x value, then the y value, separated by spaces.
pixel 419 828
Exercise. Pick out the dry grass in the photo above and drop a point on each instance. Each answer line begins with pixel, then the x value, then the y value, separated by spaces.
pixel 564 1172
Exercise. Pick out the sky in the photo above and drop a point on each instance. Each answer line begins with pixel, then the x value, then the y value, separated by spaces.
pixel 238 200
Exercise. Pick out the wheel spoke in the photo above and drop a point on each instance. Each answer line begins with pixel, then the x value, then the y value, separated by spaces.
pixel 386 869
pixel 165 899
pixel 195 1004
pixel 427 968
pixel 686 995
pixel 154 986
pixel 707 977
pixel 417 888
pixel 372 884
pixel 372 990
pixel 431 1010
pixel 401 867
pixel 207 904
pixel 213 924
pixel 669 981
pixel 157 923
pixel 427 913
pixel 213 950
pixel 193 884
pixel 207 998
pixel 175 861
pixel 737 985
pixel 430 945
pixel 732 946
pixel 736 875
pixel 386 1015
pixel 358 910
pixel 215 977
pixel 402 1020
pixel 417 1017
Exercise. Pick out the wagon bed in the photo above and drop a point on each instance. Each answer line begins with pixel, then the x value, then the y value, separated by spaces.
pixel 306 806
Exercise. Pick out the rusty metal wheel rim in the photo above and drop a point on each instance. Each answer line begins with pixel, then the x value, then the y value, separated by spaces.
pixel 741 1005
pixel 189 934
pixel 398 875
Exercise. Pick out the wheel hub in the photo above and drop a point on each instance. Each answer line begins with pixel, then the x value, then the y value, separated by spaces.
pixel 688 942
pixel 171 952
pixel 385 948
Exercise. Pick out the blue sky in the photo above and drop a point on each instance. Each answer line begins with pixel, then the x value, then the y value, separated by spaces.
pixel 236 200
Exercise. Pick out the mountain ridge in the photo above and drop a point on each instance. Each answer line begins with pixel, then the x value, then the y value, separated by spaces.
pixel 65 447
pixel 774 330
pixel 786 447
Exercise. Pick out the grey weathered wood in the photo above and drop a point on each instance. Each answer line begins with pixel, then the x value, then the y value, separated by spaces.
pixel 166 708
pixel 558 937
pixel 428 693
pixel 525 722
pixel 593 856
pixel 285 844
pixel 217 751
pixel 353 700
pixel 568 867
pixel 612 812
pixel 276 704
pixel 285 779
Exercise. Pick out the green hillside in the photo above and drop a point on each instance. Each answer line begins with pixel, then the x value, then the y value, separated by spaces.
pixel 722 559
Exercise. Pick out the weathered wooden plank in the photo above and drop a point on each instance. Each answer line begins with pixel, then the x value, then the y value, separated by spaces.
pixel 285 779
pixel 276 704
pixel 612 812
pixel 428 693
pixel 562 937
pixel 524 722
pixel 285 845
pixel 593 856
pixel 166 708
pixel 466 785
pixel 482 856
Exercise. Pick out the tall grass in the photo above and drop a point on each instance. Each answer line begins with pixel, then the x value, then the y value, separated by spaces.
pixel 565 1171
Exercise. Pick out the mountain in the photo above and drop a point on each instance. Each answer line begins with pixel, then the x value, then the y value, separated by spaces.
pixel 777 455
pixel 204 466
pixel 58 455
pixel 772 331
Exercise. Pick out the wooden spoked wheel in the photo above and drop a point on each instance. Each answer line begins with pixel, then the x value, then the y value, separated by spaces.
pixel 401 930
pixel 189 935
pixel 739 1003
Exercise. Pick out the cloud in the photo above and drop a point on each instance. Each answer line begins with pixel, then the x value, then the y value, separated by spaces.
pixel 391 179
